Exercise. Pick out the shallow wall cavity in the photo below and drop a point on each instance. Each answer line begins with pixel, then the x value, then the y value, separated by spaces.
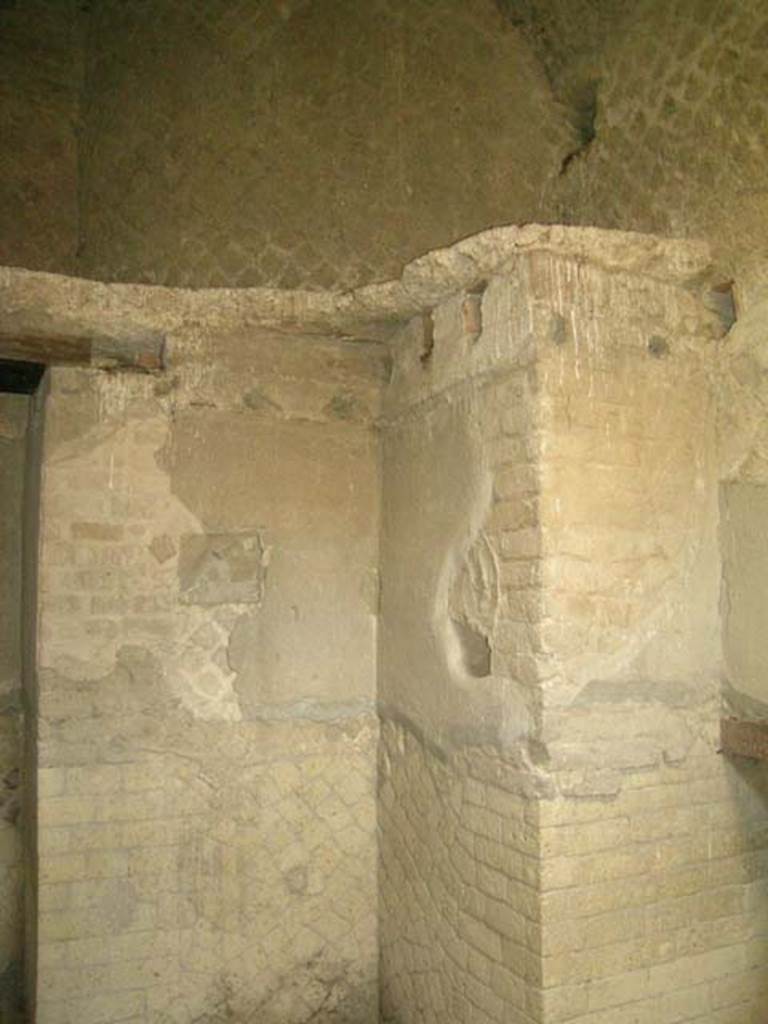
pixel 560 839
pixel 206 728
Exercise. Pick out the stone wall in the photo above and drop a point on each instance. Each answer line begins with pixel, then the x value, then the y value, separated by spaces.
pixel 206 731
pixel 674 99
pixel 459 868
pixel 40 80
pixel 13 428
pixel 560 838
pixel 215 144
pixel 654 858
pixel 459 874
pixel 294 143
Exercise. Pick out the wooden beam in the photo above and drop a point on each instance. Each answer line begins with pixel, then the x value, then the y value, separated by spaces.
pixel 142 352
pixel 743 738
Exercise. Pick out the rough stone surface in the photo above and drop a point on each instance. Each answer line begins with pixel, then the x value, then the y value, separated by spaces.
pixel 459 875
pixel 237 143
pixel 448 431
pixel 40 80
pixel 34 301
pixel 558 839
pixel 206 731
pixel 382 129
pixel 598 861
pixel 224 568
pixel 676 143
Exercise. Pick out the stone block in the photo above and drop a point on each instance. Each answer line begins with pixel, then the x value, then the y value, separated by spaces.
pixel 228 568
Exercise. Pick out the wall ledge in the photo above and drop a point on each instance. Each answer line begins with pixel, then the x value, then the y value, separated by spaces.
pixel 372 312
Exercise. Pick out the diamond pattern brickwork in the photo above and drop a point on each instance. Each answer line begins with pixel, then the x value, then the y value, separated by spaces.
pixel 303 144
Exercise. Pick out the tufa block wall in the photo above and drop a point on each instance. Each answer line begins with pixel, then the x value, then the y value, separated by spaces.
pixel 459 850
pixel 427 121
pixel 41 67
pixel 654 864
pixel 206 731
pixel 460 875
pixel 560 838
pixel 278 133
pixel 672 101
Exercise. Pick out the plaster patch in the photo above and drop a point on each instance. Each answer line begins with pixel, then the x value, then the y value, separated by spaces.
pixel 123 590
pixel 222 568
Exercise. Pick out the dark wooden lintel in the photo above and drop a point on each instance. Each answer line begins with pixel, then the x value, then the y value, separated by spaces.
pixel 139 351
pixel 744 738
